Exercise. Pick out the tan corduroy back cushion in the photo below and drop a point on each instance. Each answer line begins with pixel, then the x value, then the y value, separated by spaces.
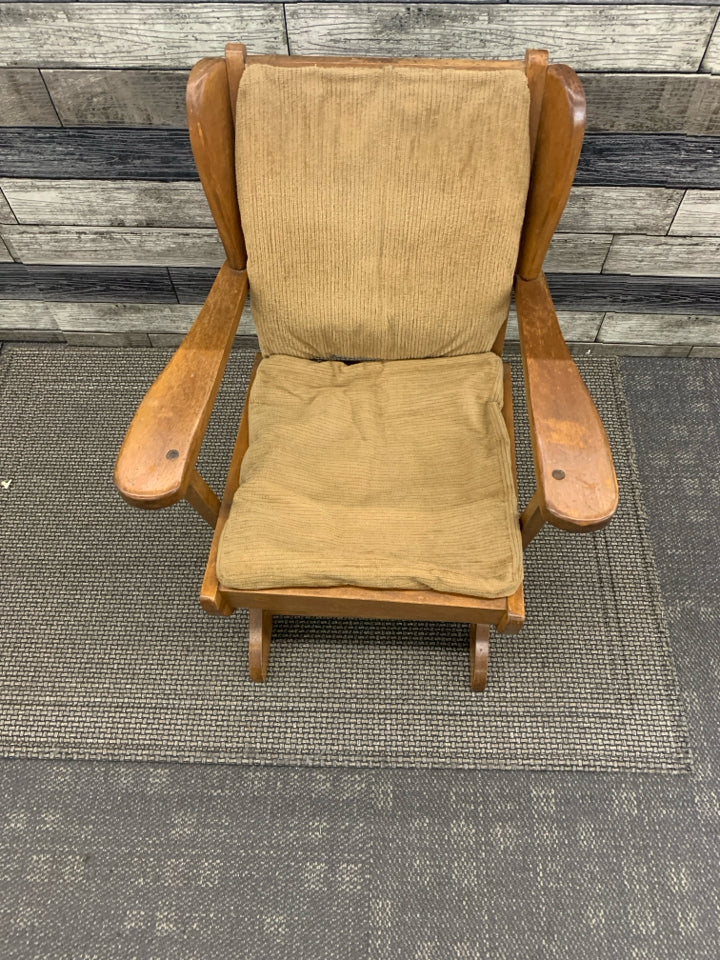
pixel 381 206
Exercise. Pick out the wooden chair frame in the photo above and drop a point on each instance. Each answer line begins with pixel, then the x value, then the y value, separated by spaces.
pixel 576 483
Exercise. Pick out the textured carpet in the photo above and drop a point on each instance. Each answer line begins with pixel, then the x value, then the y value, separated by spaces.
pixel 106 653
pixel 183 861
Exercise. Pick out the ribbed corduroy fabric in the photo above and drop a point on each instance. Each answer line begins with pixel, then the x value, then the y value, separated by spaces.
pixel 389 474
pixel 382 206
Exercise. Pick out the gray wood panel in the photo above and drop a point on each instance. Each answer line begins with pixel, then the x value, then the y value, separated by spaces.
pixel 132 98
pixel 139 203
pixel 647 210
pixel 617 103
pixel 595 292
pixel 149 318
pixel 25 315
pixel 705 351
pixel 664 256
pixel 133 34
pixel 614 37
pixel 577 252
pixel 711 60
pixel 6 214
pixel 578 327
pixel 119 203
pixel 121 246
pixel 670 328
pixel 72 284
pixel 5 256
pixel 698 215
pixel 24 100
pixel 638 350
pixel 647 103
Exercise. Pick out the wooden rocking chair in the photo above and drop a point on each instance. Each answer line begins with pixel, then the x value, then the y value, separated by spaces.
pixel 462 168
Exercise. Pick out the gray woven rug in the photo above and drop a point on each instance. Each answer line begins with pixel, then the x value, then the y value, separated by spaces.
pixel 106 653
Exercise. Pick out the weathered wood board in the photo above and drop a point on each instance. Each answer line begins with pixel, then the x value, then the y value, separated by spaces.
pixel 117 285
pixel 616 103
pixel 652 103
pixel 577 252
pixel 96 153
pixel 648 210
pixel 120 203
pixel 5 256
pixel 698 215
pixel 133 34
pixel 6 214
pixel 660 328
pixel 612 159
pixel 147 318
pixel 648 160
pixel 625 294
pixel 711 60
pixel 576 327
pixel 25 101
pixel 25 315
pixel 132 98
pixel 16 283
pixel 619 37
pixel 121 246
pixel 665 256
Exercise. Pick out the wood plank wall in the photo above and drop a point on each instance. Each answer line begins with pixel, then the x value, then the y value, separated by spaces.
pixel 106 237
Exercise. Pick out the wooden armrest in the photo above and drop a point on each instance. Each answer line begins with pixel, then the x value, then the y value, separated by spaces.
pixel 577 486
pixel 156 463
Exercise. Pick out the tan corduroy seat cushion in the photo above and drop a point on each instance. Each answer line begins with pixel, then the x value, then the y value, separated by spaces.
pixel 381 206
pixel 389 474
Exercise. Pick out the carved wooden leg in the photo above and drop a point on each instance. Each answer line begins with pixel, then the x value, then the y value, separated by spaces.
pixel 259 646
pixel 479 654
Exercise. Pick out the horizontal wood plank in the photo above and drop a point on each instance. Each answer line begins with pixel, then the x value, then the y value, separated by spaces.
pixel 667 328
pixel 615 37
pixel 131 98
pixel 5 256
pixel 192 284
pixel 671 256
pixel 164 155
pixel 148 318
pixel 6 214
pixel 118 284
pixel 25 315
pixel 123 246
pixel 652 103
pixel 616 103
pixel 648 210
pixel 16 283
pixel 609 292
pixel 24 100
pixel 96 153
pixel 660 160
pixel 698 215
pixel 711 60
pixel 576 327
pixel 133 34
pixel 141 203
pixel 577 252
pixel 121 203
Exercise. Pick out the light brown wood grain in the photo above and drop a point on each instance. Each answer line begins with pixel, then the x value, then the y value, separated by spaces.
pixel 212 135
pixel 577 487
pixel 559 141
pixel 157 459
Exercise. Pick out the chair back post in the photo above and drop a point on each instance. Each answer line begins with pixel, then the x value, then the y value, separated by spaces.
pixel 560 133
pixel 212 136
pixel 536 64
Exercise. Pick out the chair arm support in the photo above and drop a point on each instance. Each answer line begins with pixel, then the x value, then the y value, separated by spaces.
pixel 577 487
pixel 156 463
